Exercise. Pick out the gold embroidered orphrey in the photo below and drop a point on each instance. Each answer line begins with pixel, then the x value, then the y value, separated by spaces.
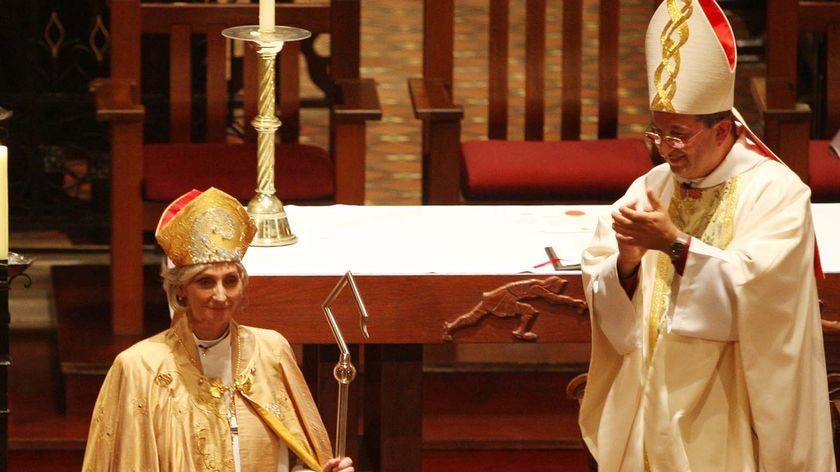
pixel 511 301
pixel 707 214
pixel 674 35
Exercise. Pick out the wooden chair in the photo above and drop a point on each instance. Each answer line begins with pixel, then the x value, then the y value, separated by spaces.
pixel 498 168
pixel 147 176
pixel 787 121
pixel 574 391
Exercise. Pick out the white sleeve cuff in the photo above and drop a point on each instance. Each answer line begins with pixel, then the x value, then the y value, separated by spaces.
pixel 613 311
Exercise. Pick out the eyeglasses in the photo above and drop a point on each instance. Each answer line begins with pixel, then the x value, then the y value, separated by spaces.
pixel 672 141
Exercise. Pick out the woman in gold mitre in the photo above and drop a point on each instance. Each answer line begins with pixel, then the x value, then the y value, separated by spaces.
pixel 208 394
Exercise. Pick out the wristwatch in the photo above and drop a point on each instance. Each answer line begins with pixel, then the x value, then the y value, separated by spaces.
pixel 677 247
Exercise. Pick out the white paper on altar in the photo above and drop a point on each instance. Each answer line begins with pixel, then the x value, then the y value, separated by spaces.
pixel 827 227
pixel 400 240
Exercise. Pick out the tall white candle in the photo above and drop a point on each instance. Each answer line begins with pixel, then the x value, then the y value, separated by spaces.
pixel 4 203
pixel 267 16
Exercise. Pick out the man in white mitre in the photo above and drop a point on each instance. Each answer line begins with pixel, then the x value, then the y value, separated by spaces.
pixel 707 349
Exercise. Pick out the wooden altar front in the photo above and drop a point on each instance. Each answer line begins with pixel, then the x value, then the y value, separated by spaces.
pixel 406 312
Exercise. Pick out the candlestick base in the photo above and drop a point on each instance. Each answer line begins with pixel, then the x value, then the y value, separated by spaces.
pixel 272 224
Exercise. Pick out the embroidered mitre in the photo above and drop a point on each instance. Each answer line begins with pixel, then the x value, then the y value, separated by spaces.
pixel 204 227
pixel 691 58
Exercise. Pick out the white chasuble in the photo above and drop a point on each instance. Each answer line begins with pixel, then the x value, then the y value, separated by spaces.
pixel 722 368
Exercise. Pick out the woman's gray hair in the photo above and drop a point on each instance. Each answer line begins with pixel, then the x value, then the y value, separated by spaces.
pixel 176 277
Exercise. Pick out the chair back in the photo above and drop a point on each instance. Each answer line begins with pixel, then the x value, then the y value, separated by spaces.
pixel 542 126
pixel 545 45
pixel 822 19
pixel 209 83
pixel 798 133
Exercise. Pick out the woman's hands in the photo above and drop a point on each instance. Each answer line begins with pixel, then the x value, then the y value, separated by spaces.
pixel 339 464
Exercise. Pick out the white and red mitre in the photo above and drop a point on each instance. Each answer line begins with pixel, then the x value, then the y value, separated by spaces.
pixel 691 58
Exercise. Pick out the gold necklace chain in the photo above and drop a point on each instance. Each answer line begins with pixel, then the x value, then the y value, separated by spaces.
pixel 241 383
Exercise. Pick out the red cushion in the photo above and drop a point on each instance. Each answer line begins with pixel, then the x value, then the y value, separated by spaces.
pixel 301 171
pixel 559 170
pixel 824 170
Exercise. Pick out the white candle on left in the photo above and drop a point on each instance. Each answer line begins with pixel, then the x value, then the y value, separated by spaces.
pixel 4 203
pixel 267 16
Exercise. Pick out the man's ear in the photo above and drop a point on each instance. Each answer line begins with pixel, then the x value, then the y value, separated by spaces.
pixel 723 128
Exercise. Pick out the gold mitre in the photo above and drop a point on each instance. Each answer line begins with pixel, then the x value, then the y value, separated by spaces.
pixel 203 227
pixel 691 58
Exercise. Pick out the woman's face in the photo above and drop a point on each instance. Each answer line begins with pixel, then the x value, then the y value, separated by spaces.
pixel 212 297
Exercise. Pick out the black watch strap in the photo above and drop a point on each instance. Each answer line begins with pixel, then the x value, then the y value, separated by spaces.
pixel 676 248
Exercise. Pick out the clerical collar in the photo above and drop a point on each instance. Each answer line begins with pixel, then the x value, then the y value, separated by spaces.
pixel 205 345
pixel 688 183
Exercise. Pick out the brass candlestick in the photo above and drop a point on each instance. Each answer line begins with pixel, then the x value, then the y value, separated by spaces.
pixel 265 208
pixel 344 371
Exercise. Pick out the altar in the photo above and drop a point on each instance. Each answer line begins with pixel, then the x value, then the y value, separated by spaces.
pixel 419 267
pixel 409 260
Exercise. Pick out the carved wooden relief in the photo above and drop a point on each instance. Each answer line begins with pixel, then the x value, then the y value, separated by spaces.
pixel 515 300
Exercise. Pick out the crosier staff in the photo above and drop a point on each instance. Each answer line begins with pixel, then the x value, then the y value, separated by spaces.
pixel 344 371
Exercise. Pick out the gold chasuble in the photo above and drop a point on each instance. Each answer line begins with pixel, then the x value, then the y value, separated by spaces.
pixel 721 368
pixel 158 412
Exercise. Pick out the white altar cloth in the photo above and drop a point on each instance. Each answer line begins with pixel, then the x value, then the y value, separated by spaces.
pixel 827 226
pixel 454 239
